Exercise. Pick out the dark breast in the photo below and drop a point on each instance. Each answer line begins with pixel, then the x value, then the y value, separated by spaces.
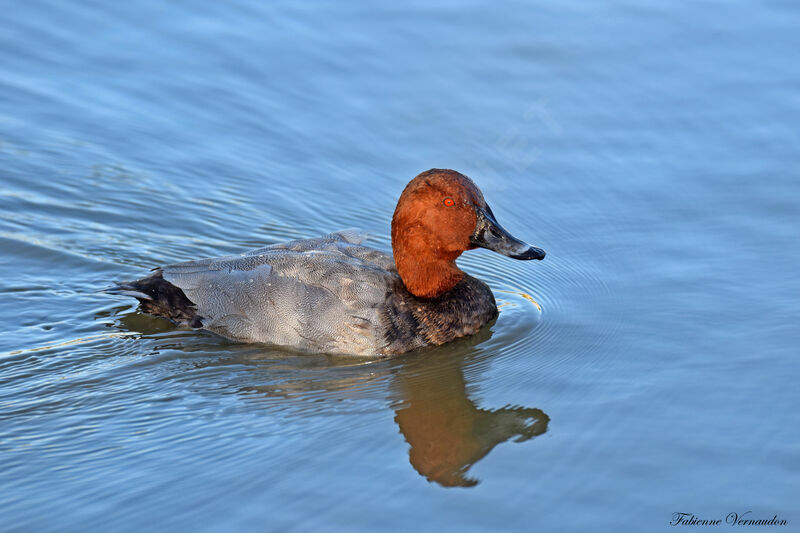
pixel 413 322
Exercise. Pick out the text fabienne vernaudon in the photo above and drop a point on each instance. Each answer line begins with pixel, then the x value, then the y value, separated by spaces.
pixel 732 519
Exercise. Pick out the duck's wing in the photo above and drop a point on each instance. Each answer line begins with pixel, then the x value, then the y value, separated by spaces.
pixel 345 241
pixel 345 236
pixel 324 295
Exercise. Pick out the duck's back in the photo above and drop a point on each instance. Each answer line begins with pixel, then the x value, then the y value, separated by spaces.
pixel 321 295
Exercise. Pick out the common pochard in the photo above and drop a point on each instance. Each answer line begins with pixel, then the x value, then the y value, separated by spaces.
pixel 332 295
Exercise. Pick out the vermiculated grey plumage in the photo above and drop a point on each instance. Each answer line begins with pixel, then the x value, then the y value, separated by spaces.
pixel 322 295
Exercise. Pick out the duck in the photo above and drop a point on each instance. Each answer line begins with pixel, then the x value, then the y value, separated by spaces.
pixel 332 294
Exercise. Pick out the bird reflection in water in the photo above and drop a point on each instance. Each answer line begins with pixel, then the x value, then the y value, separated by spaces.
pixel 446 431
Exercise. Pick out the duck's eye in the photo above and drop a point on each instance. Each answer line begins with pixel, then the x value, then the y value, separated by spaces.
pixel 449 202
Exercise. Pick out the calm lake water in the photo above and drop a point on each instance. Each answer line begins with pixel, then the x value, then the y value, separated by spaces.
pixel 650 147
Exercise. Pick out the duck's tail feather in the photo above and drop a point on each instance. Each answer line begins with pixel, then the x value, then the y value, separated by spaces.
pixel 161 298
pixel 127 288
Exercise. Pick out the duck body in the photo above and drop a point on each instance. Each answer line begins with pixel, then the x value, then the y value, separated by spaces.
pixel 333 295
pixel 328 294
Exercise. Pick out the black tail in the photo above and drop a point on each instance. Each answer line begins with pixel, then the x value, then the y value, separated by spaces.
pixel 161 298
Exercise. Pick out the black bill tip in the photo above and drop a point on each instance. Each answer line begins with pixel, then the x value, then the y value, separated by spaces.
pixel 530 253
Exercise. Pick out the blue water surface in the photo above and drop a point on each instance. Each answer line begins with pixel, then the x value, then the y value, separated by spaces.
pixel 647 366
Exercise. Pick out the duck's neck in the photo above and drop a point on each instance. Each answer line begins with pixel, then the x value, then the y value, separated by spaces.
pixel 424 274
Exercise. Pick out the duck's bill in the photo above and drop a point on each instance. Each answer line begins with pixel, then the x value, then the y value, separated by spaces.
pixel 491 235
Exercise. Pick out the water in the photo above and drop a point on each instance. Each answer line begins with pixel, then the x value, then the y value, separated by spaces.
pixel 650 148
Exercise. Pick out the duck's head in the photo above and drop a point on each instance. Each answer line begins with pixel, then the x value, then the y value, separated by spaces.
pixel 441 214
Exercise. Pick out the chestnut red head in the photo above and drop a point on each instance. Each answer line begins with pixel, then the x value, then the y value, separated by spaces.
pixel 441 214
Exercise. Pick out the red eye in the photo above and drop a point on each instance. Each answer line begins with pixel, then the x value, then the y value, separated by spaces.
pixel 449 202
